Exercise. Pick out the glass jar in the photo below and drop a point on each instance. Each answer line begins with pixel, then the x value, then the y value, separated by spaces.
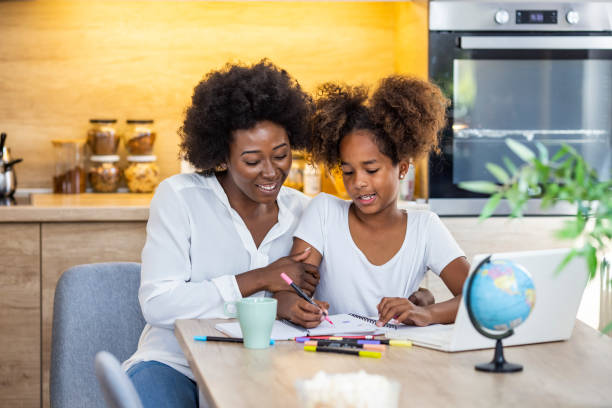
pixel 102 137
pixel 139 136
pixel 312 180
pixel 104 175
pixel 70 177
pixel 295 178
pixel 142 174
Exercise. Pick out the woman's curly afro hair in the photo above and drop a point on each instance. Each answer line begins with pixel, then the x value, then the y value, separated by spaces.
pixel 238 97
pixel 404 114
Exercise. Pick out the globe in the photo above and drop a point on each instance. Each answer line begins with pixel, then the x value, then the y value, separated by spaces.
pixel 499 296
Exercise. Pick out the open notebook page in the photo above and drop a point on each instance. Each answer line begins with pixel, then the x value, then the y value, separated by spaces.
pixel 283 330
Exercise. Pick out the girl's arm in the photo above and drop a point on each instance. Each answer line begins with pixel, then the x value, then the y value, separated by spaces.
pixel 290 305
pixel 401 309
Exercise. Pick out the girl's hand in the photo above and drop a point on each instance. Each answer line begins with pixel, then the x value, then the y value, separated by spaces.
pixel 404 311
pixel 297 310
pixel 422 297
pixel 304 275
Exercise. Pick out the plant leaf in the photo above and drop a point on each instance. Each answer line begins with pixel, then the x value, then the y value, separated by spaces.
pixel 572 228
pixel 572 253
pixel 560 153
pixel 520 150
pixel 484 187
pixel 498 172
pixel 490 206
pixel 543 152
pixel 591 258
pixel 509 165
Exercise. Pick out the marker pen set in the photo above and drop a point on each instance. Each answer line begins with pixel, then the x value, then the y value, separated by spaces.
pixel 358 347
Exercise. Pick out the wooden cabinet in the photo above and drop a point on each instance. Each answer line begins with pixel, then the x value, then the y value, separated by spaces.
pixel 20 315
pixel 68 244
pixel 34 255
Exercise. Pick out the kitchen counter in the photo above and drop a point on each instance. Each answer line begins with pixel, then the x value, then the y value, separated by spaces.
pixel 95 207
pixel 79 207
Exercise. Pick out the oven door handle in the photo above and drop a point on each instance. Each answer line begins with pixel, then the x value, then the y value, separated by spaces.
pixel 536 43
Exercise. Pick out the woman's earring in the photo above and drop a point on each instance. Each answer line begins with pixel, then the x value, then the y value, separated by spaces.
pixel 221 167
pixel 401 176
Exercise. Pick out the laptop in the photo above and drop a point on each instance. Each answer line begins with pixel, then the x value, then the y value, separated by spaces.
pixel 552 318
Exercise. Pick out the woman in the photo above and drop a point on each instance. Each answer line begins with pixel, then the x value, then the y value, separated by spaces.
pixel 223 233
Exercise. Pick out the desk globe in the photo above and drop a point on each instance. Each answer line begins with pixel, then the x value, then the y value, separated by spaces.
pixel 499 295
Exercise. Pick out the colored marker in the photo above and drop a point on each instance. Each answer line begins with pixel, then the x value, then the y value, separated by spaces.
pixel 303 339
pixel 223 339
pixel 340 350
pixel 337 343
pixel 303 295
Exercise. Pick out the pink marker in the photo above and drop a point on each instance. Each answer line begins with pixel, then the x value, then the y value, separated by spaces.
pixel 303 295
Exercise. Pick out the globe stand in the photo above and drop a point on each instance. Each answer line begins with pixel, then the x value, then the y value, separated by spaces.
pixel 499 363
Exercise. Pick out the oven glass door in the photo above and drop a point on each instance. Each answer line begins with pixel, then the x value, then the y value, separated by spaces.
pixel 553 96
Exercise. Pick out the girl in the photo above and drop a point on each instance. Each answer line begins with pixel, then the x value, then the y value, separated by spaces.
pixel 371 254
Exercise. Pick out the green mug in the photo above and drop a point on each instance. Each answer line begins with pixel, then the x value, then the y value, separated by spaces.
pixel 256 316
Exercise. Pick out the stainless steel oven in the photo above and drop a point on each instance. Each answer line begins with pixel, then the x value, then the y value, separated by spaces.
pixel 532 71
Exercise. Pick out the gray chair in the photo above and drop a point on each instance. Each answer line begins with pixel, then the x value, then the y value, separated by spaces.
pixel 96 308
pixel 118 390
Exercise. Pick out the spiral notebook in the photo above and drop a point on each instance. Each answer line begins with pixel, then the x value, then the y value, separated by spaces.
pixel 344 324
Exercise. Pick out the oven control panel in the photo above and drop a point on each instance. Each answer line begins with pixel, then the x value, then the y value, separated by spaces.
pixel 536 16
pixel 456 15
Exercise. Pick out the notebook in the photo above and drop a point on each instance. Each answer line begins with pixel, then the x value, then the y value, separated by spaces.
pixel 553 316
pixel 284 330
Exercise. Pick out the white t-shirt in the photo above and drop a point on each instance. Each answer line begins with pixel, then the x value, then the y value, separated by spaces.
pixel 196 244
pixel 349 282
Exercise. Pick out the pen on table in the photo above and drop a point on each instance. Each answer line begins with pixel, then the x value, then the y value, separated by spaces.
pixel 223 339
pixel 303 295
pixel 339 343
pixel 339 350
pixel 306 338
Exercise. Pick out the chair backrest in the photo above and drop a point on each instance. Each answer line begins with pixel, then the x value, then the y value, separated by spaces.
pixel 118 390
pixel 96 308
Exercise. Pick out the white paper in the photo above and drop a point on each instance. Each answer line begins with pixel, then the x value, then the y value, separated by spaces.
pixel 281 330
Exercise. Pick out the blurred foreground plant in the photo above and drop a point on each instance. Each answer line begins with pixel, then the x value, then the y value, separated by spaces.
pixel 565 177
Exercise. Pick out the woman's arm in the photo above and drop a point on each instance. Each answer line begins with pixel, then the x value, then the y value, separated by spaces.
pixel 314 257
pixel 401 309
pixel 290 305
pixel 268 278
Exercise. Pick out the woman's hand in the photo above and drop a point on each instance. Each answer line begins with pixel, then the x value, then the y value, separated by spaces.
pixel 297 310
pixel 422 297
pixel 304 275
pixel 404 311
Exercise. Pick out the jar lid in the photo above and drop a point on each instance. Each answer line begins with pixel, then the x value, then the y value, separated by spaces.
pixel 105 158
pixel 138 121
pixel 142 158
pixel 60 142
pixel 102 120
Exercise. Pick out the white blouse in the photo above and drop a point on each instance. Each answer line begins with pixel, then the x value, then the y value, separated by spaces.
pixel 196 244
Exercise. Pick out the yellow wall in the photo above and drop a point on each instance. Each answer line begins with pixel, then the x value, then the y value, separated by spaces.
pixel 63 62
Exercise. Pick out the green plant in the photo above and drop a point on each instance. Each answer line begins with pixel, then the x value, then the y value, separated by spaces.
pixel 565 177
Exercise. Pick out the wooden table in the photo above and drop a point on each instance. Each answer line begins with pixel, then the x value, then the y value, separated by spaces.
pixel 577 372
